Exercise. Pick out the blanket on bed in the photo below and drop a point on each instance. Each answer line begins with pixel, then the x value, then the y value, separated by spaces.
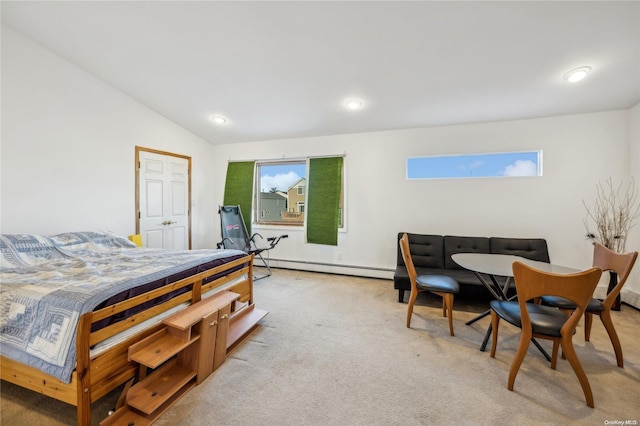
pixel 47 283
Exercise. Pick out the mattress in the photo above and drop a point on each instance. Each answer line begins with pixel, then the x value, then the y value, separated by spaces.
pixel 47 283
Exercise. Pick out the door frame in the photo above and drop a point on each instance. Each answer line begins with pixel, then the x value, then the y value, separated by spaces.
pixel 137 183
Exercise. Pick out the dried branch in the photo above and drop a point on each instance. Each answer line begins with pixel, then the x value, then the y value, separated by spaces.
pixel 614 214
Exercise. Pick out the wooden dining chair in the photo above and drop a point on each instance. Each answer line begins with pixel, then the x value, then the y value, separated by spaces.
pixel 441 285
pixel 545 322
pixel 607 260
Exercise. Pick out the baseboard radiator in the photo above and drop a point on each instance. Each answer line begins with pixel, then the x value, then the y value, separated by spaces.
pixel 331 268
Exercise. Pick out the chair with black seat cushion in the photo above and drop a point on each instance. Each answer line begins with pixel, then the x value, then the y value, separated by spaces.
pixel 545 322
pixel 607 260
pixel 441 285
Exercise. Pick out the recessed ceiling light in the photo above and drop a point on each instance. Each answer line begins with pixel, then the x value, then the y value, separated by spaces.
pixel 576 74
pixel 353 103
pixel 218 119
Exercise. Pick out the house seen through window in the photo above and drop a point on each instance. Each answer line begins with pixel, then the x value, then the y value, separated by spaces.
pixel 281 192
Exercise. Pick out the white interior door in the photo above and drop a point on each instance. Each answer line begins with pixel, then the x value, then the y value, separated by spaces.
pixel 163 187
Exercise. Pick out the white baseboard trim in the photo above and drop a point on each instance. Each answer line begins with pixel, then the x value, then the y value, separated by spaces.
pixel 331 268
pixel 630 297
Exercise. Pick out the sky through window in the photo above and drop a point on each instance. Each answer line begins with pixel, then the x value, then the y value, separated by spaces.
pixel 281 176
pixel 476 165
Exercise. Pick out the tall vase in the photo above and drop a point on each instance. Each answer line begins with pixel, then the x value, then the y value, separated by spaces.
pixel 613 281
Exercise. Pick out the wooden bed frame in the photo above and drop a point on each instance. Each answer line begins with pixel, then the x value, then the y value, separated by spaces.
pixel 95 377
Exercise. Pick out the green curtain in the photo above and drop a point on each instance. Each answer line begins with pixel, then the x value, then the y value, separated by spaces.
pixel 325 181
pixel 238 189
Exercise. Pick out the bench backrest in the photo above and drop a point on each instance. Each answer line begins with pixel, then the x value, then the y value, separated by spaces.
pixel 434 251
pixel 529 248
pixel 453 245
pixel 426 250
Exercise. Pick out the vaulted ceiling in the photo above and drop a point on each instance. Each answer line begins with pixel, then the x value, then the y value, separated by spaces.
pixel 283 69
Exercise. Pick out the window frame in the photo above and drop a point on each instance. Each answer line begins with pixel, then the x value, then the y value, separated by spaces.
pixel 258 222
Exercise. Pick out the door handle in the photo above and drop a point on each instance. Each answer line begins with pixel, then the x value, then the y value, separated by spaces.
pixel 168 222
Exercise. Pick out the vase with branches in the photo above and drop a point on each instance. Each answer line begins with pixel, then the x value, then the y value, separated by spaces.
pixel 614 212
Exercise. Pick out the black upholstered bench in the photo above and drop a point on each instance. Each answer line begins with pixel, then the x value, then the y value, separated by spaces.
pixel 431 255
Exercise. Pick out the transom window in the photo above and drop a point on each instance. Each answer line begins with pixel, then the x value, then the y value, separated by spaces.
pixel 506 164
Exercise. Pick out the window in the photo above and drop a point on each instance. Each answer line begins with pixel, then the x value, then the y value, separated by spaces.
pixel 506 164
pixel 281 192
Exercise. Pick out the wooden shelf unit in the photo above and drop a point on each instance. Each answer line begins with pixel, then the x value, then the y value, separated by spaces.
pixel 193 343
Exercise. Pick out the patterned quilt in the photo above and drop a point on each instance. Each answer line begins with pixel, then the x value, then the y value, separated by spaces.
pixel 47 283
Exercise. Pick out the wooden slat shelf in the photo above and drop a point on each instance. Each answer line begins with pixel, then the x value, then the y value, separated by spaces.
pixel 151 393
pixel 242 322
pixel 187 318
pixel 130 417
pixel 157 348
pixel 124 416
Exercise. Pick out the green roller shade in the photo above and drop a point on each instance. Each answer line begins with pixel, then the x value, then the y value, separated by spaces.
pixel 238 189
pixel 325 181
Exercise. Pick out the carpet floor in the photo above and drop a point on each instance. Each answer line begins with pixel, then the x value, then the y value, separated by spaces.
pixel 334 350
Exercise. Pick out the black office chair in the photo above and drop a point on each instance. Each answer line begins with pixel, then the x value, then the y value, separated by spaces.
pixel 235 236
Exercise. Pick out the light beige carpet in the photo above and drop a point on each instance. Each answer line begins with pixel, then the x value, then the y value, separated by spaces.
pixel 334 350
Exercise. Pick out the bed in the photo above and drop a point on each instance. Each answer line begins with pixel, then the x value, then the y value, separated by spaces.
pixel 73 303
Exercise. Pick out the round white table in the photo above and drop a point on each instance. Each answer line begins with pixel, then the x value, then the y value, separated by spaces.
pixel 493 265
pixel 502 264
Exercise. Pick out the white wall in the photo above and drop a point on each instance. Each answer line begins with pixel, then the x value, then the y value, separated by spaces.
pixel 631 290
pixel 578 151
pixel 68 149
